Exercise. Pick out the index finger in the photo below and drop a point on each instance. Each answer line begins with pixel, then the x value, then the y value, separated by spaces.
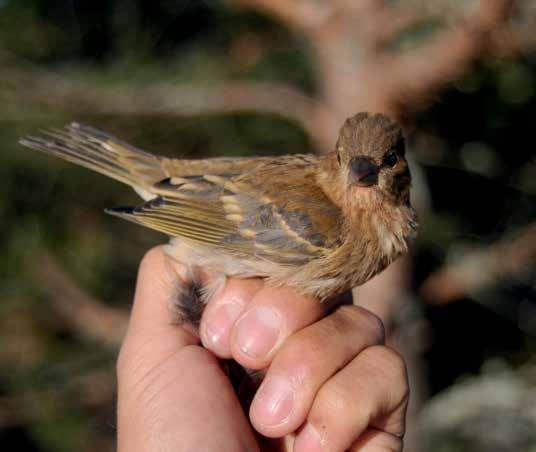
pixel 273 315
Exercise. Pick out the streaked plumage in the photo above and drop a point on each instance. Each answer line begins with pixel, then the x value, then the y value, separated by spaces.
pixel 321 224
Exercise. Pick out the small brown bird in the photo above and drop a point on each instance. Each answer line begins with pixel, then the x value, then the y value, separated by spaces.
pixel 321 224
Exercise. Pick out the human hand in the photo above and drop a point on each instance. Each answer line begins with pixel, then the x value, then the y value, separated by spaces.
pixel 329 378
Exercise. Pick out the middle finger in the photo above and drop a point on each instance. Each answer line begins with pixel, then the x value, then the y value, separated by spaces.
pixel 305 362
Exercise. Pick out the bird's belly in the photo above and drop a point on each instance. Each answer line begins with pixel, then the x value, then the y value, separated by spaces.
pixel 220 260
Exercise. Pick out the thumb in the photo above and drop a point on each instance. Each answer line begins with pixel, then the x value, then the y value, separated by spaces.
pixel 172 393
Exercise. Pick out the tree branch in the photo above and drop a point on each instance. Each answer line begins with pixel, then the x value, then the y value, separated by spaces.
pixel 83 313
pixel 389 22
pixel 483 268
pixel 78 95
pixel 415 77
pixel 302 14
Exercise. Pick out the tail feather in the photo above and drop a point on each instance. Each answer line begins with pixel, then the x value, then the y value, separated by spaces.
pixel 96 150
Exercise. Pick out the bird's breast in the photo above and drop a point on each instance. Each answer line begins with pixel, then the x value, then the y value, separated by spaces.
pixel 394 228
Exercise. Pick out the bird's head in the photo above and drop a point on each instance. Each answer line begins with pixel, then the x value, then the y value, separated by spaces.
pixel 369 160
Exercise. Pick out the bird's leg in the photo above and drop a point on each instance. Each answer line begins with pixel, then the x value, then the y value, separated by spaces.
pixel 192 296
pixel 188 305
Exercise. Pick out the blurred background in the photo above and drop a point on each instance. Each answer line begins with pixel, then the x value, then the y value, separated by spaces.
pixel 196 78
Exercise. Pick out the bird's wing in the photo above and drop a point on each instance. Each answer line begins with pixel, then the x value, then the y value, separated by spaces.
pixel 106 154
pixel 275 211
pixel 268 207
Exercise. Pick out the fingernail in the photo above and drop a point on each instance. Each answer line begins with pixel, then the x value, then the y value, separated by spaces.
pixel 308 439
pixel 274 401
pixel 258 332
pixel 215 332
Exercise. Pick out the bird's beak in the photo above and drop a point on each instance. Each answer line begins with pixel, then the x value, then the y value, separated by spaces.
pixel 363 171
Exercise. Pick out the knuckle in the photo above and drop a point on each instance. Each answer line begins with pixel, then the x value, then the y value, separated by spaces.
pixel 301 352
pixel 349 314
pixel 394 362
pixel 121 364
pixel 393 369
pixel 129 359
pixel 336 403
pixel 373 325
pixel 130 362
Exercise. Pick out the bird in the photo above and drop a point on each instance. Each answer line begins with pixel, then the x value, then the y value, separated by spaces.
pixel 320 224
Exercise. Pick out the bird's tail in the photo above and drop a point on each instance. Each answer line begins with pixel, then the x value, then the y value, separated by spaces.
pixel 100 152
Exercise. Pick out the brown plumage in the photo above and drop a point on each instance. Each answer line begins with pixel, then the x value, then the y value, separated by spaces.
pixel 321 224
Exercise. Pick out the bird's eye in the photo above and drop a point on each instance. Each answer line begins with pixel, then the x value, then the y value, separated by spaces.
pixel 391 159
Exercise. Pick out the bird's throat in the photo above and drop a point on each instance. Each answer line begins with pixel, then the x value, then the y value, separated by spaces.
pixel 391 226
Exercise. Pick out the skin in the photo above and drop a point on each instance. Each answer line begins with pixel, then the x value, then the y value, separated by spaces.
pixel 331 384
